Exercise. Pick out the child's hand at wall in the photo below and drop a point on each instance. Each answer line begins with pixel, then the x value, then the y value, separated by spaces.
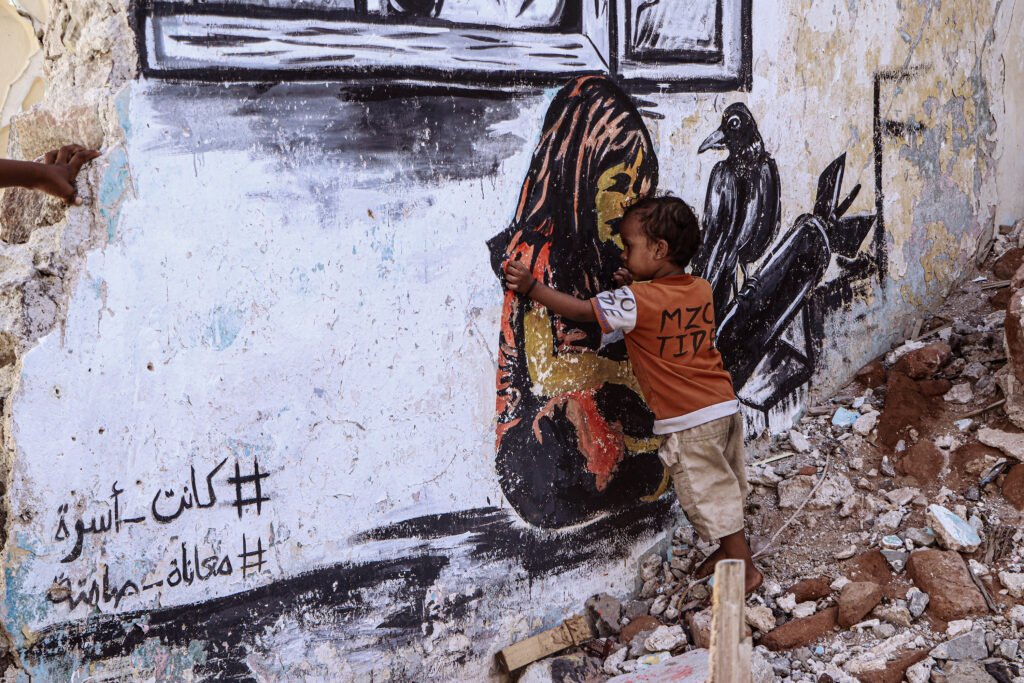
pixel 518 277
pixel 55 175
pixel 622 277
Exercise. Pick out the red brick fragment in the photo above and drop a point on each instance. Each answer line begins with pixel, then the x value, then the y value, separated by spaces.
pixel 801 632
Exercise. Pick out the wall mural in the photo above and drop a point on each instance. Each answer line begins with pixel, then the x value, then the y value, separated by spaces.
pixel 574 438
pixel 574 452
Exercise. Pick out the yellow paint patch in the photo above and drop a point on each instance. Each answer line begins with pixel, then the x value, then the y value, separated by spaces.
pixel 553 375
pixel 939 259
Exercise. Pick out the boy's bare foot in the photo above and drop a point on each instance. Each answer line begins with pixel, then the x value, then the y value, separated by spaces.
pixel 733 547
pixel 754 578
pixel 707 567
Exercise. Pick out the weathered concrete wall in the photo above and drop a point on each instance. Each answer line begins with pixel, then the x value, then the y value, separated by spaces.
pixel 248 390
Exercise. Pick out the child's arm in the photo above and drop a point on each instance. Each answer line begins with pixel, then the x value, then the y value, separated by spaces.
pixel 56 175
pixel 519 279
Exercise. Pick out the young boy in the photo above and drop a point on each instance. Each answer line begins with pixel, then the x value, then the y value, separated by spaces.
pixel 669 324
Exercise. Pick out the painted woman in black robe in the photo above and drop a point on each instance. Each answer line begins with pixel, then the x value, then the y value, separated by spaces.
pixel 574 437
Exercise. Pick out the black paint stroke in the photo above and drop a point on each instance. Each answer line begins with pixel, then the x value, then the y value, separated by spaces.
pixel 336 598
pixel 229 627
pixel 881 130
pixel 364 141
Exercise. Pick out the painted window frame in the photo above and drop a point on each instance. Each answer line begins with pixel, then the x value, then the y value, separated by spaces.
pixel 246 43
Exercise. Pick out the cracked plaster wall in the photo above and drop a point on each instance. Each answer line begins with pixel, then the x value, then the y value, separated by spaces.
pixel 248 277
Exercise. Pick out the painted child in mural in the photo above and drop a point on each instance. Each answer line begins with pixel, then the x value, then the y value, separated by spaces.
pixel 574 437
pixel 669 324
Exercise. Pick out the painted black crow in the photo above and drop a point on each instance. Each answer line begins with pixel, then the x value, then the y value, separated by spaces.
pixel 742 209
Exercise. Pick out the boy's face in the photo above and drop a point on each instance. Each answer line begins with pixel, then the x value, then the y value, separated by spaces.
pixel 642 256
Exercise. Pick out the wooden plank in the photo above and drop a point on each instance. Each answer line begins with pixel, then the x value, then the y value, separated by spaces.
pixel 730 650
pixel 573 631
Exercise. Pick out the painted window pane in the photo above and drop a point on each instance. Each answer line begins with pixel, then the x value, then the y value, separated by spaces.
pixel 513 14
pixel 670 27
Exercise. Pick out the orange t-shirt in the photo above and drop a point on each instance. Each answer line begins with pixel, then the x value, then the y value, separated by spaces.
pixel 669 324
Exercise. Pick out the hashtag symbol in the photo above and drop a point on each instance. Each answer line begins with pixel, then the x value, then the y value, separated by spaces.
pixel 255 480
pixel 252 560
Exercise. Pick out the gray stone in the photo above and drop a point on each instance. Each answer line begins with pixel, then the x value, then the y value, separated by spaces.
pixel 890 521
pixel 1013 582
pixel 613 665
pixel 1009 648
pixel 865 424
pixel 952 532
pixel 920 536
pixel 782 667
pixel 887 468
pixel 902 496
pixel 960 393
pixel 974 371
pixel 916 602
pixel 760 617
pixel 920 672
pixel 836 489
pixel 665 638
pixel 635 608
pixel 636 646
pixel 969 646
pixel 574 667
pixel 606 611
pixel 897 559
pixel 1010 444
pixel 800 443
pixel 793 491
pixel 649 567
pixel 885 630
pixel 760 669
pixel 966 672
pixel 894 614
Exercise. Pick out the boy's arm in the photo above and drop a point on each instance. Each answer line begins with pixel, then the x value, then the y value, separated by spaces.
pixel 55 176
pixel 519 279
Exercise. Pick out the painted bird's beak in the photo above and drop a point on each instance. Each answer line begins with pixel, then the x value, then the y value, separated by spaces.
pixel 714 141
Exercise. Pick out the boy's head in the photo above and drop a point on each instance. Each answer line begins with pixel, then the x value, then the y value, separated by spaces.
pixel 658 232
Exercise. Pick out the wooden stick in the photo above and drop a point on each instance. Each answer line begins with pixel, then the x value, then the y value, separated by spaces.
pixel 730 651
pixel 979 411
pixel 772 459
pixel 984 593
pixel 998 284
pixel 935 331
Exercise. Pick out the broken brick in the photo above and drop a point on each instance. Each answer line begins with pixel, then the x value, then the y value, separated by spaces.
pixel 801 632
pixel 857 600
pixel 944 576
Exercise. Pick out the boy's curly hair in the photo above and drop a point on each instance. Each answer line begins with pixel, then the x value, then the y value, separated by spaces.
pixel 671 219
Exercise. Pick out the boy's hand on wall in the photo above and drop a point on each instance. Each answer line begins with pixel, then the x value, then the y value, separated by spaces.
pixel 60 169
pixel 622 277
pixel 517 276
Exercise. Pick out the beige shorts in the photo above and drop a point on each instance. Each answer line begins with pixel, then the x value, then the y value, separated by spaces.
pixel 709 474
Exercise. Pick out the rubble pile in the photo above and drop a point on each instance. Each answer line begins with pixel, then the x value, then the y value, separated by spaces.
pixel 906 559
